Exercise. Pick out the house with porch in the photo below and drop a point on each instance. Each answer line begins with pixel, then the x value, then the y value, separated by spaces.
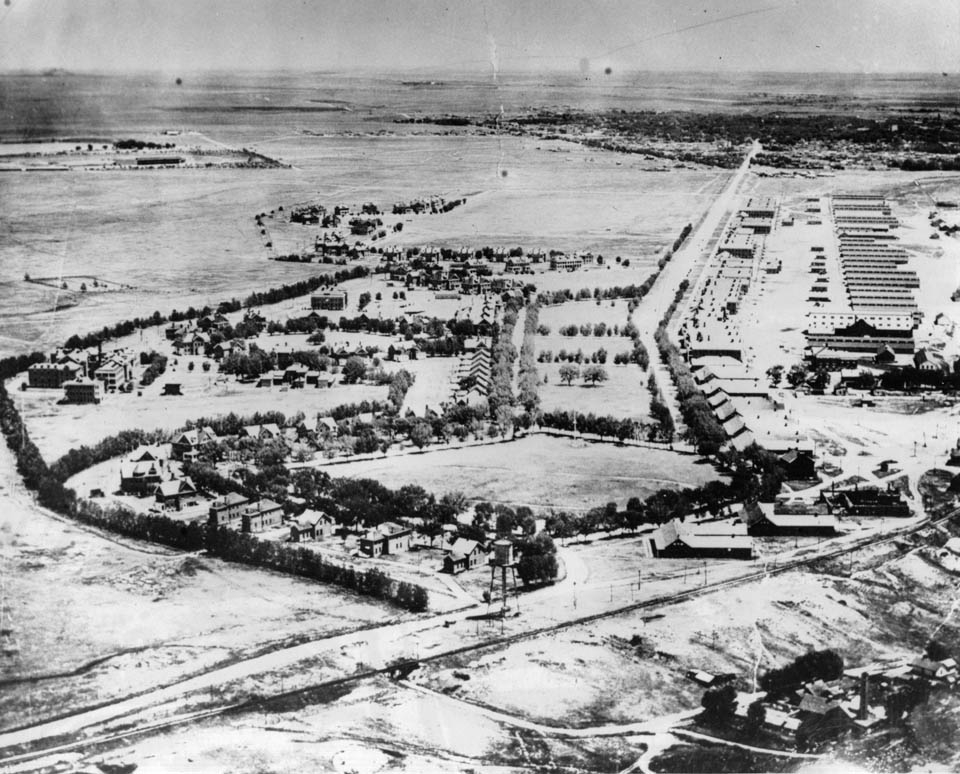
pixel 173 494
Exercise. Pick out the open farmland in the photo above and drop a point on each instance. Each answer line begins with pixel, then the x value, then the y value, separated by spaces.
pixel 187 237
pixel 540 471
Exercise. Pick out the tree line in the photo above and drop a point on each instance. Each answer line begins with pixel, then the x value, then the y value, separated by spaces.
pixel 703 429
pixel 259 298
pixel 500 398
pixel 231 546
pixel 527 380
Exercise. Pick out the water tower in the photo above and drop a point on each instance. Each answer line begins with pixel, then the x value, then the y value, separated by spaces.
pixel 503 559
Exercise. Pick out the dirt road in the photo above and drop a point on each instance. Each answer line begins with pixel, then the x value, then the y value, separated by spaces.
pixel 695 250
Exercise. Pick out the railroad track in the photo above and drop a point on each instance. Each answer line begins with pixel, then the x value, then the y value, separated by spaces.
pixel 260 703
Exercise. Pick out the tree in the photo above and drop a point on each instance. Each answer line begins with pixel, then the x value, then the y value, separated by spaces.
pixel 820 380
pixel 719 704
pixel 797 375
pixel 538 559
pixel 421 433
pixel 756 715
pixel 568 373
pixel 814 665
pixel 937 651
pixel 595 374
pixel 353 370
pixel 506 520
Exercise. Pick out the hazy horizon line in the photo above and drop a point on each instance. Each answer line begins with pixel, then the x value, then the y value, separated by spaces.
pixel 424 73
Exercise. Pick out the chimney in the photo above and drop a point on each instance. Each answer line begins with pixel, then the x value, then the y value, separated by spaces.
pixel 99 353
pixel 864 712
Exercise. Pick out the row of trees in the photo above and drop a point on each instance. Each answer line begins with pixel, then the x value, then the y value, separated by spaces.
pixel 603 426
pixel 591 374
pixel 227 544
pixel 259 298
pixel 527 380
pixel 597 356
pixel 503 354
pixel 659 411
pixel 703 429
pixel 754 475
pixel 596 329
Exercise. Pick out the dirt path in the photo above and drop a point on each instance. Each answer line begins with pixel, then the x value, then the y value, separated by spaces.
pixel 652 726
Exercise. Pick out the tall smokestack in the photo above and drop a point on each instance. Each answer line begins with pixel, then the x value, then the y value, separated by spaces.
pixel 864 712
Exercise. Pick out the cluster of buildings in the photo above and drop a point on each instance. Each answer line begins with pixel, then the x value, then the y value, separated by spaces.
pixel 731 533
pixel 563 262
pixel 464 274
pixel 148 471
pixel 711 335
pixel 85 376
pixel 867 310
pixel 821 711
pixel 240 513
pixel 472 377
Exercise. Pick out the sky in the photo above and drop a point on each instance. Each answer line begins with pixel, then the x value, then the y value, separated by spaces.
pixel 482 36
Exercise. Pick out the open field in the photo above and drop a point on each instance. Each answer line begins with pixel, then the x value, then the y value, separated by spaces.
pixel 147 230
pixel 610 313
pixel 58 428
pixel 375 727
pixel 623 395
pixel 183 237
pixel 582 678
pixel 539 471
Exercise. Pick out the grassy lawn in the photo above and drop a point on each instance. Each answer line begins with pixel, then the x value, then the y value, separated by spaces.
pixel 539 471
pixel 623 395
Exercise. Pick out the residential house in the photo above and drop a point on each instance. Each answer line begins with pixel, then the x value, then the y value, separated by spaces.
pixel 142 471
pixel 923 360
pixel 388 538
pixel 798 465
pixel 194 343
pixel 311 525
pixel 187 444
pixel 174 493
pixel 268 432
pixel 463 555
